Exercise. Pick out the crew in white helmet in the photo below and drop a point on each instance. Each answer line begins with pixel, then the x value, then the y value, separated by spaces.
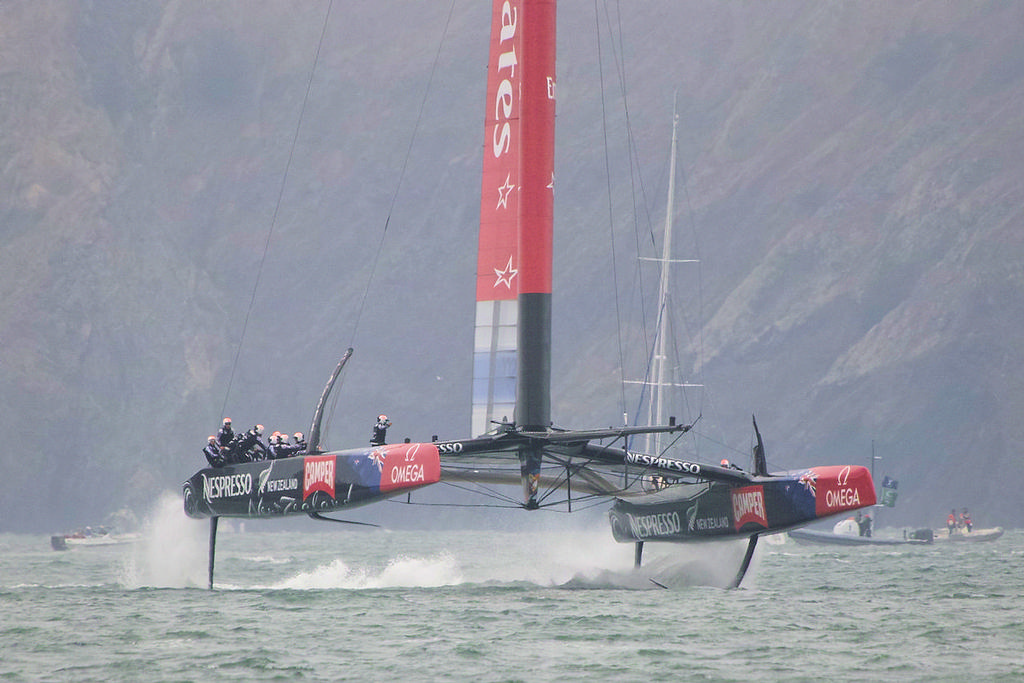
pixel 380 431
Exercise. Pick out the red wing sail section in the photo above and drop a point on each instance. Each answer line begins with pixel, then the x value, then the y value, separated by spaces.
pixel 536 207
pixel 516 196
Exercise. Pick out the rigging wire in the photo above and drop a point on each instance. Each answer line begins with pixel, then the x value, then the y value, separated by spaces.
pixel 638 187
pixel 277 207
pixel 401 174
pixel 635 167
pixel 635 179
pixel 284 179
pixel 611 216
pixel 394 199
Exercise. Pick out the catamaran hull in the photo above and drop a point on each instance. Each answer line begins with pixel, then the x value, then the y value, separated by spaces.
pixel 719 510
pixel 311 483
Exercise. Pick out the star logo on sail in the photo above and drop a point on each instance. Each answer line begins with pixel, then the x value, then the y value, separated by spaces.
pixel 505 275
pixel 504 192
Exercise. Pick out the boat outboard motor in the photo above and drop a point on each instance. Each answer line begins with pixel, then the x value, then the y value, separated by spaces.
pixel 926 535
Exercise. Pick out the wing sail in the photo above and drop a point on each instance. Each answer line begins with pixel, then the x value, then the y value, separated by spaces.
pixel 516 209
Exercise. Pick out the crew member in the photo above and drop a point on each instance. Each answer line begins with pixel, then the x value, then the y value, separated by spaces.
pixel 287 450
pixel 965 520
pixel 279 446
pixel 225 435
pixel 259 449
pixel 212 452
pixel 249 446
pixel 951 521
pixel 274 445
pixel 380 431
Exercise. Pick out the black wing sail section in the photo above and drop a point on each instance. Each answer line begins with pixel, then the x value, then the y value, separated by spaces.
pixel 313 441
pixel 760 463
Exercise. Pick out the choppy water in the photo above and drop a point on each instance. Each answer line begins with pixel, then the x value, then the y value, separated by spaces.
pixel 338 604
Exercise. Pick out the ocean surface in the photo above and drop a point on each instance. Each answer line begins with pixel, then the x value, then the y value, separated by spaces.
pixel 335 603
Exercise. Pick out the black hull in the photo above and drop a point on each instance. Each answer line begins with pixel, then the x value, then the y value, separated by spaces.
pixel 720 510
pixel 310 484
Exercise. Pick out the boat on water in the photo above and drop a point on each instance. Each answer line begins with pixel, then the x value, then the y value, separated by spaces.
pixel 972 536
pixel 556 467
pixel 91 537
pixel 847 532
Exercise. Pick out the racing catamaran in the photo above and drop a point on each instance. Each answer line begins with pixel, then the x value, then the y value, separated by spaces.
pixel 512 377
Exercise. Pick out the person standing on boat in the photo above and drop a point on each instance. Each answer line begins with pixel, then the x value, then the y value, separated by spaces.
pixel 951 521
pixel 225 434
pixel 380 431
pixel 965 520
pixel 212 452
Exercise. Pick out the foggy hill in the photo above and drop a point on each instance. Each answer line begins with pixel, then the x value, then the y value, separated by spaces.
pixel 850 181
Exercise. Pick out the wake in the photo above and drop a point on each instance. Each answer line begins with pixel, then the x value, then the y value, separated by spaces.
pixel 566 560
pixel 171 552
pixel 401 572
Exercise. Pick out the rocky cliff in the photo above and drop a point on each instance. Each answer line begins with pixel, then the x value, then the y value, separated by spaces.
pixel 850 183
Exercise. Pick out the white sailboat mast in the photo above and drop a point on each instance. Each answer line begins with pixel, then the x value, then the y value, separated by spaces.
pixel 656 407
pixel 660 360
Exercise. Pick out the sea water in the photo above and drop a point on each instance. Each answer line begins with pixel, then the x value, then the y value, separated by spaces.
pixel 335 604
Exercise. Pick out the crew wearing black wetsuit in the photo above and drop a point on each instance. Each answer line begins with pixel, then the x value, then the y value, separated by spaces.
pixel 248 447
pixel 380 431
pixel 212 453
pixel 225 435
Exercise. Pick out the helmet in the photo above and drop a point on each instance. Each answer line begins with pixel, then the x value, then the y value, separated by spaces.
pixel 725 462
pixel 382 418
pixel 298 436
pixel 212 439
pixel 259 430
pixel 227 420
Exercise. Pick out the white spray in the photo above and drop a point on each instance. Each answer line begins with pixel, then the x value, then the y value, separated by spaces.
pixel 172 551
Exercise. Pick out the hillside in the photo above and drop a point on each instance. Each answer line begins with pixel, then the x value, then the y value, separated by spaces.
pixel 852 190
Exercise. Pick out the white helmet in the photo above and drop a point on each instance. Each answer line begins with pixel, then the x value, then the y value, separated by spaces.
pixel 298 436
pixel 259 430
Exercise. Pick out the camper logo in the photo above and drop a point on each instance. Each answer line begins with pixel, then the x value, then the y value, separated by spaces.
pixel 318 475
pixel 748 507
